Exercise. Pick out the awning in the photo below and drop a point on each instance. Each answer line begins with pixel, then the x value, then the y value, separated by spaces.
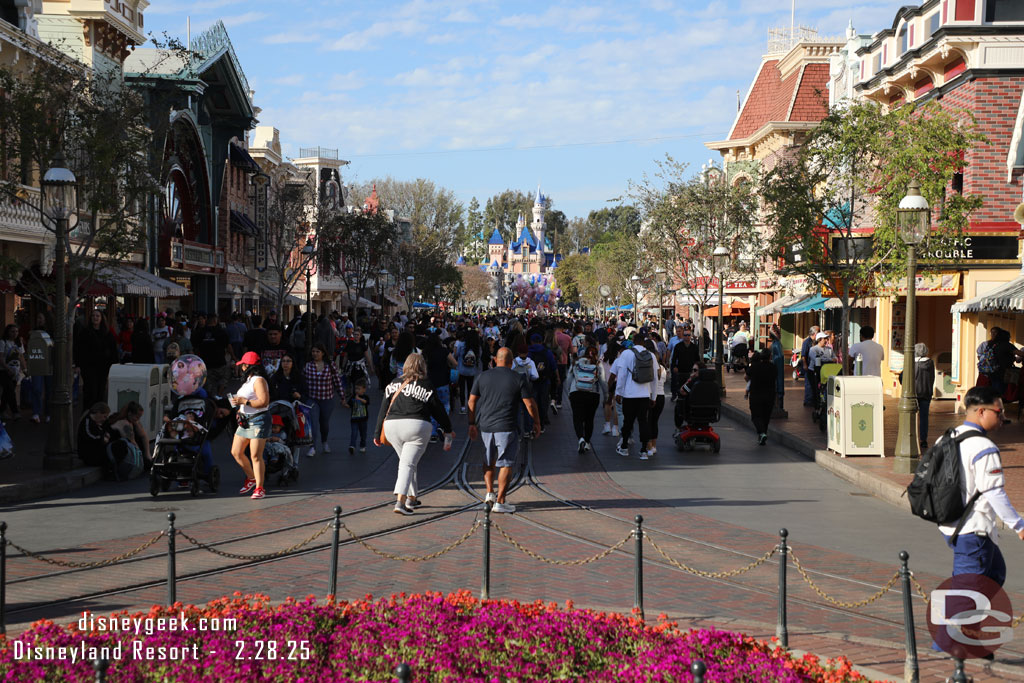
pixel 779 304
pixel 243 224
pixel 1006 297
pixel 859 302
pixel 360 302
pixel 737 308
pixel 270 294
pixel 132 280
pixel 243 160
pixel 396 302
pixel 812 303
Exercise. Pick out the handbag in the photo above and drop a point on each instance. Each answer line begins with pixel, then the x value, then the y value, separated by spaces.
pixel 383 439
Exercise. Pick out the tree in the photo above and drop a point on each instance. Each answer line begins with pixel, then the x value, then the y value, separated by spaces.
pixel 576 278
pixel 832 208
pixel 618 219
pixel 427 206
pixel 477 284
pixel 502 211
pixel 686 218
pixel 359 245
pixel 473 240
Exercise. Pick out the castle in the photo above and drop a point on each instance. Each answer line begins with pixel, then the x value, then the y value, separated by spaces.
pixel 531 253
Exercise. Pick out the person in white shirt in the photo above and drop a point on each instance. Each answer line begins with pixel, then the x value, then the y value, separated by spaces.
pixel 635 398
pixel 976 550
pixel 871 352
pixel 524 365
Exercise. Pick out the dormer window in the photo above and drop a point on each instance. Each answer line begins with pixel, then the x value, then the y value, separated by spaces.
pixel 1004 10
pixel 931 25
pixel 904 39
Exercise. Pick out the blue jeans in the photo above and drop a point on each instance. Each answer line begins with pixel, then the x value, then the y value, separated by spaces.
pixel 320 419
pixel 358 427
pixel 41 388
pixel 444 395
pixel 974 554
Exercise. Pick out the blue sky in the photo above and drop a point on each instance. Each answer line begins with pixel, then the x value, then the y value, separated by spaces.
pixel 482 96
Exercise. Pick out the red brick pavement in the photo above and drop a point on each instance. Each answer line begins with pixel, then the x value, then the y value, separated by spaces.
pixel 871 637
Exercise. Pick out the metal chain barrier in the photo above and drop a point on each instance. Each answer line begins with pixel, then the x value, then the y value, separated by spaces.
pixel 256 558
pixel 409 558
pixel 86 565
pixel 565 563
pixel 710 575
pixel 839 603
pixel 920 589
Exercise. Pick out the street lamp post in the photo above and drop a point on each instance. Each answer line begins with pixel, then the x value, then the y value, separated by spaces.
pixel 635 280
pixel 914 218
pixel 409 282
pixel 307 254
pixel 437 298
pixel 659 276
pixel 59 203
pixel 382 277
pixel 720 259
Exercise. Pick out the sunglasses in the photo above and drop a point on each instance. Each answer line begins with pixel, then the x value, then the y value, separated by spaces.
pixel 997 411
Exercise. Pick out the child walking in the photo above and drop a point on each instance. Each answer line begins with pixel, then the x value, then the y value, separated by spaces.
pixel 358 417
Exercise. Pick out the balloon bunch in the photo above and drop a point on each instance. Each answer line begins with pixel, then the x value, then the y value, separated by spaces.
pixel 535 292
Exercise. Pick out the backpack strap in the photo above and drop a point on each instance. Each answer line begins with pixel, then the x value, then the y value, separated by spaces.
pixel 969 507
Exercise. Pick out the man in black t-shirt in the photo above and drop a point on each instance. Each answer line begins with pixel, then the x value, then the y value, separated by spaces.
pixel 275 349
pixel 212 346
pixel 493 412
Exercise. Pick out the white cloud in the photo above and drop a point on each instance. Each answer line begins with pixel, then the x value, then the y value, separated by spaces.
pixel 244 18
pixel 348 81
pixel 376 34
pixel 186 8
pixel 289 37
pixel 461 16
pixel 294 79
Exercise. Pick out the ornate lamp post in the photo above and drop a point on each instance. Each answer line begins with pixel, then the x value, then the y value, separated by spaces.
pixel 635 282
pixel 659 277
pixel 437 298
pixel 382 277
pixel 308 253
pixel 409 282
pixel 59 204
pixel 720 259
pixel 914 219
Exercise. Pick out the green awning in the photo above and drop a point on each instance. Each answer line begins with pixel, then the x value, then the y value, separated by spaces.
pixel 814 303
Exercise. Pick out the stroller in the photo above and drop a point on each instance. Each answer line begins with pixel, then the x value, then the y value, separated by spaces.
pixel 828 370
pixel 284 462
pixel 355 372
pixel 701 408
pixel 738 357
pixel 176 451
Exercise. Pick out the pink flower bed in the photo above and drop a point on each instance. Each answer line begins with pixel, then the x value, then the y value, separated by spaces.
pixel 451 637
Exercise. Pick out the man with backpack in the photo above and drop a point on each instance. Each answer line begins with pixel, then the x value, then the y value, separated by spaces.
pixel 960 486
pixel 631 379
pixel 547 375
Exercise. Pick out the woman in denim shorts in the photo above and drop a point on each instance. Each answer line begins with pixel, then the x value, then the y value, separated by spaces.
pixel 252 400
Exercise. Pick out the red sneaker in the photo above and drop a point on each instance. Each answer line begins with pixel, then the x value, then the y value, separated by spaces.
pixel 258 493
pixel 247 486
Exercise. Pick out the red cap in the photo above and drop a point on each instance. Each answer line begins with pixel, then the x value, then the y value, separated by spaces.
pixel 249 358
pixel 276 419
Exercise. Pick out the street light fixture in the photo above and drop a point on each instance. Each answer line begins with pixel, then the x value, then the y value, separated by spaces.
pixel 382 277
pixel 913 216
pixel 720 259
pixel 59 204
pixel 437 297
pixel 409 282
pixel 635 280
pixel 308 252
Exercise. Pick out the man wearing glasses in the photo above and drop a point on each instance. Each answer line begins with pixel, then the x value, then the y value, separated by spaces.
pixel 976 550
pixel 685 354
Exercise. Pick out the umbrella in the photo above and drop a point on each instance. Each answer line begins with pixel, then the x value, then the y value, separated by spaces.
pixel 422 304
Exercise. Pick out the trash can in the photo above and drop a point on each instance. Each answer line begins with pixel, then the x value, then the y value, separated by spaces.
pixel 39 354
pixel 854 415
pixel 145 384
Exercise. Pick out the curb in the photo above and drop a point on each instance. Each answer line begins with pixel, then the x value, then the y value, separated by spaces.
pixel 50 485
pixel 877 486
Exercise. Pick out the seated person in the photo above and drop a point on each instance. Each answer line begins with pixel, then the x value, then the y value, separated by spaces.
pixel 127 424
pixel 700 391
pixel 93 436
pixel 276 448
pixel 207 414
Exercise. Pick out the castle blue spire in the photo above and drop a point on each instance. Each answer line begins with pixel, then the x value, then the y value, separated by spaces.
pixel 540 198
pixel 496 238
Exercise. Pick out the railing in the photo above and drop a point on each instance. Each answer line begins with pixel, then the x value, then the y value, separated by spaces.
pixel 196 254
pixel 317 153
pixel 22 215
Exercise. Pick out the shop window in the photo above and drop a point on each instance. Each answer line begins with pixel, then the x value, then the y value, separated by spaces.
pixel 1004 10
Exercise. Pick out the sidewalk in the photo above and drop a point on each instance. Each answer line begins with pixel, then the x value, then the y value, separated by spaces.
pixel 873 474
pixel 23 478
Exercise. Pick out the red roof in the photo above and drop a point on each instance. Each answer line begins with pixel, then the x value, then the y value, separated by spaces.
pixel 772 98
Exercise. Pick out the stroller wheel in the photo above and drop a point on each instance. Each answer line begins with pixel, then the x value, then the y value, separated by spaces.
pixel 164 484
pixel 193 487
pixel 294 474
pixel 155 485
pixel 214 481
pixel 716 447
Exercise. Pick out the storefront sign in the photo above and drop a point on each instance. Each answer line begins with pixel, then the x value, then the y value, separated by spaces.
pixel 977 249
pixel 262 183
pixel 933 284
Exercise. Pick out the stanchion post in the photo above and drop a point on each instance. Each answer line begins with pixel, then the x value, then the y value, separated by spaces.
pixel 172 591
pixel 404 673
pixel 485 583
pixel 697 669
pixel 100 666
pixel 781 630
pixel 911 670
pixel 334 551
pixel 638 571
pixel 959 675
pixel 3 578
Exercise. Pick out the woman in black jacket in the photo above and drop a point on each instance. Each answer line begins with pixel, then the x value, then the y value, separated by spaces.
pixel 287 382
pixel 761 392
pixel 142 343
pixel 924 388
pixel 404 418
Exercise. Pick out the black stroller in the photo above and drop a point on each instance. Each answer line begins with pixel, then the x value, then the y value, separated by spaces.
pixel 738 357
pixel 284 462
pixel 701 407
pixel 176 451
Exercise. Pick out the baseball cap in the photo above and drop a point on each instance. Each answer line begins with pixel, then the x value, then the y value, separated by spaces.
pixel 821 335
pixel 249 358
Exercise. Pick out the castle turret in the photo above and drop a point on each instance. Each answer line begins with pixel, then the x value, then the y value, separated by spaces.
pixel 538 218
pixel 496 248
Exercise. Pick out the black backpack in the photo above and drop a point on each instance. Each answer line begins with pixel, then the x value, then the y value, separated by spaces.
pixel 935 493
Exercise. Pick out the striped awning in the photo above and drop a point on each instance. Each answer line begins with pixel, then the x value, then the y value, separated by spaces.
pixel 132 280
pixel 1006 297
pixel 811 303
pixel 779 304
pixel 859 302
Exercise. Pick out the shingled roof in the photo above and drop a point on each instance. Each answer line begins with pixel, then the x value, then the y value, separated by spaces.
pixel 798 97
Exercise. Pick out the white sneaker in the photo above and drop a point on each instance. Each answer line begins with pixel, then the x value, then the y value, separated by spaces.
pixel 586 446
pixel 582 445
pixel 607 428
pixel 491 497
pixel 644 455
pixel 327 448
pixel 624 452
pixel 402 510
pixel 462 411
pixel 615 430
pixel 503 507
pixel 311 452
pixel 652 452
